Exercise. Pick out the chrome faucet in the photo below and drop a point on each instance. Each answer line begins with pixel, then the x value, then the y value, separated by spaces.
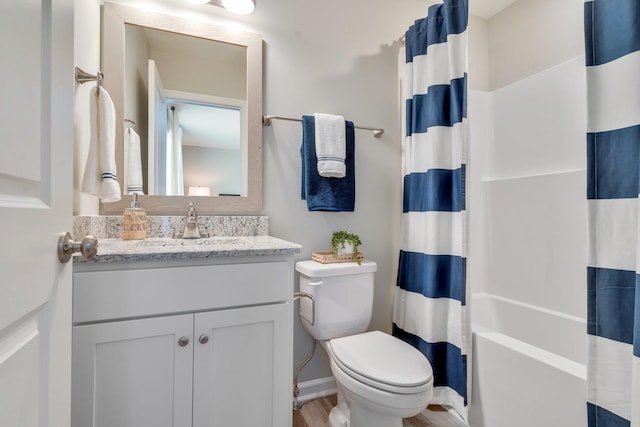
pixel 191 229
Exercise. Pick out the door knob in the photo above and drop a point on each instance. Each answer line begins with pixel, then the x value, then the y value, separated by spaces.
pixel 203 339
pixel 88 247
pixel 183 341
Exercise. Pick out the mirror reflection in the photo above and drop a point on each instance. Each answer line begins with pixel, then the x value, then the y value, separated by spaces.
pixel 206 140
pixel 188 98
pixel 192 63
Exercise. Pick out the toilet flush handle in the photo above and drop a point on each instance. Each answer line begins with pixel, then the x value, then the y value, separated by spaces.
pixel 298 295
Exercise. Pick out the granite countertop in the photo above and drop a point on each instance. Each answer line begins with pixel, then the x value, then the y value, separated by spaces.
pixel 158 248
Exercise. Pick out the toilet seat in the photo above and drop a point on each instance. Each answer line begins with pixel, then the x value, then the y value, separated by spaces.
pixel 382 361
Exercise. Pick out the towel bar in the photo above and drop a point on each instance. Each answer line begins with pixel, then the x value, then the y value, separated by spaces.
pixel 266 121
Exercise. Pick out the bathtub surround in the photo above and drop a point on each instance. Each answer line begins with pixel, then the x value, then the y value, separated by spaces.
pixel 528 240
pixel 612 31
pixel 528 250
pixel 430 303
pixel 523 354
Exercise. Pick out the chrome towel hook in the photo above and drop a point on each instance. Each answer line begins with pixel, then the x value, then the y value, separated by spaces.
pixel 83 77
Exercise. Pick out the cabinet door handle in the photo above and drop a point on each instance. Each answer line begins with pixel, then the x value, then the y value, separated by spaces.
pixel 183 341
pixel 203 339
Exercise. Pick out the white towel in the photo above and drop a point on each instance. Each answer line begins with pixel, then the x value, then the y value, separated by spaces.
pixel 331 147
pixel 132 162
pixel 100 175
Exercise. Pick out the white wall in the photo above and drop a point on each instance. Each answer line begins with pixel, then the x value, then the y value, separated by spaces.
pixel 478 53
pixel 215 168
pixel 86 55
pixel 188 73
pixel 531 36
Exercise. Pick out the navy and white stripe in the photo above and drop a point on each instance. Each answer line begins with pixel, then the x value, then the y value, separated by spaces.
pixel 330 159
pixel 109 175
pixel 430 300
pixel 612 41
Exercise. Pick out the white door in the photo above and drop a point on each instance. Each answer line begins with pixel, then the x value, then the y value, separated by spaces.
pixel 36 164
pixel 157 132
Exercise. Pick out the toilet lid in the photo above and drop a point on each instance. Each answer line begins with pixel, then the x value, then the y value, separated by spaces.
pixel 382 361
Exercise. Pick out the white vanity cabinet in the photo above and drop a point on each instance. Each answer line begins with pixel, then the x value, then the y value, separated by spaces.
pixel 198 343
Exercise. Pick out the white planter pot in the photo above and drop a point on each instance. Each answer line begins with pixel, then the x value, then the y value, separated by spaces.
pixel 347 250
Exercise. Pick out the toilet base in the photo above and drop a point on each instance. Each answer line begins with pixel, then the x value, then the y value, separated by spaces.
pixel 358 416
pixel 378 409
pixel 354 414
pixel 339 416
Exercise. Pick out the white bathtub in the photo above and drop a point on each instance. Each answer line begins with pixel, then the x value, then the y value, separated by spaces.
pixel 528 365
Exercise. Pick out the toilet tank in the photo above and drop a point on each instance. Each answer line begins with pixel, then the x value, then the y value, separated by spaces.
pixel 343 297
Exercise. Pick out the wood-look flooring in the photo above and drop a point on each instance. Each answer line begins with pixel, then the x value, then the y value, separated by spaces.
pixel 315 413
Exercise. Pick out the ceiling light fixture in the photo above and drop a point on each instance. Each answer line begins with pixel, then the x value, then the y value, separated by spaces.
pixel 239 7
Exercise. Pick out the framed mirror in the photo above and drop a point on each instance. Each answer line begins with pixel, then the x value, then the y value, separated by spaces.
pixel 193 93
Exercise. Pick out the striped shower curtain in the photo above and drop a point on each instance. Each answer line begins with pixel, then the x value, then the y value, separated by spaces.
pixel 612 39
pixel 430 298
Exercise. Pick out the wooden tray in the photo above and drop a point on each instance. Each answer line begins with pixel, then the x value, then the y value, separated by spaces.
pixel 329 257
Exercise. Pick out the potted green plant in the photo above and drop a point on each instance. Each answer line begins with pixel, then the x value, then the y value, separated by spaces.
pixel 343 242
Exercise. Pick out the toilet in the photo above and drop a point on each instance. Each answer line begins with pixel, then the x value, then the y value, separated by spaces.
pixel 380 378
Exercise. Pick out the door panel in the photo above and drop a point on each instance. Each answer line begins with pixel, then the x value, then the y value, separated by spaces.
pixel 133 373
pixel 21 369
pixel 20 83
pixel 244 360
pixel 36 157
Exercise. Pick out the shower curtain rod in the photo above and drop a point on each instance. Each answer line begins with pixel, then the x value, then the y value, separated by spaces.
pixel 266 121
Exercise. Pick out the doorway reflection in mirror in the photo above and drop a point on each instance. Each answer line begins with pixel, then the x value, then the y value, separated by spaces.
pixel 199 191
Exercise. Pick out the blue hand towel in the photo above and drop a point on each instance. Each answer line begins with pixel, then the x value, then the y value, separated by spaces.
pixel 327 194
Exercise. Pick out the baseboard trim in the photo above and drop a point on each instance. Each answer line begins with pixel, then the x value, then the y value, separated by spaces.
pixel 317 388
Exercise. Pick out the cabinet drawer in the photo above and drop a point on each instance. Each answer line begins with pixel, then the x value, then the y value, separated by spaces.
pixel 114 294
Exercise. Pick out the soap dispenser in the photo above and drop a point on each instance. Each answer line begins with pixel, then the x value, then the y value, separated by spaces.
pixel 134 221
